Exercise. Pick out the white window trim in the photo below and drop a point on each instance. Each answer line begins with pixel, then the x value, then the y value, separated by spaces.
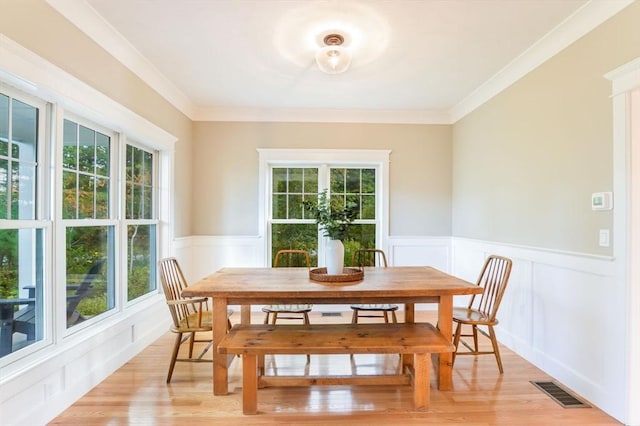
pixel 333 157
pixel 42 219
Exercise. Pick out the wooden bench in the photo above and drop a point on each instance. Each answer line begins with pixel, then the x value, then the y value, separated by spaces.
pixel 255 341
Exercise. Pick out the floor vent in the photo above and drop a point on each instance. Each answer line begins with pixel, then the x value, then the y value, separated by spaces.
pixel 560 395
pixel 331 314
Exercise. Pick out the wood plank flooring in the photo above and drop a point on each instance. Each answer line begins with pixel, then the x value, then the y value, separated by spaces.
pixel 137 393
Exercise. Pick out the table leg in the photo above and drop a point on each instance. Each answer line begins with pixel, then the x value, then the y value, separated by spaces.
pixel 409 317
pixel 245 314
pixel 220 373
pixel 445 324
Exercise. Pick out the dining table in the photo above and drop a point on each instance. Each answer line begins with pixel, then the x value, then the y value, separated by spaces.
pixel 408 285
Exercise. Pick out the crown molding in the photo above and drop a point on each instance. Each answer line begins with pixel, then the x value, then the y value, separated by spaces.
pixel 310 115
pixel 83 16
pixel 581 22
pixel 585 19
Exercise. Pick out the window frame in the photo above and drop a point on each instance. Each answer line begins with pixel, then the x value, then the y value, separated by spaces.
pixel 41 221
pixel 112 221
pixel 154 220
pixel 324 159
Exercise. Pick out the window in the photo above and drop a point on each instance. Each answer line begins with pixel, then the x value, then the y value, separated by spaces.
pixel 292 176
pixel 140 195
pixel 63 210
pixel 90 234
pixel 288 230
pixel 22 230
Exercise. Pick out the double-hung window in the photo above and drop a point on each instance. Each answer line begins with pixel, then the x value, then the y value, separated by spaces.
pixel 87 213
pixel 23 228
pixel 141 221
pixel 292 176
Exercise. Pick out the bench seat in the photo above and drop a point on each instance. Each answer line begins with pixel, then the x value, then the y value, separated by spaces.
pixel 255 341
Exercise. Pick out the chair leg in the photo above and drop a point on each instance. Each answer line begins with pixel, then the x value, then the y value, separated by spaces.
pixel 174 356
pixel 266 318
pixel 305 318
pixel 393 317
pixel 456 342
pixel 192 339
pixel 354 317
pixel 475 337
pixel 274 317
pixel 386 317
pixel 496 351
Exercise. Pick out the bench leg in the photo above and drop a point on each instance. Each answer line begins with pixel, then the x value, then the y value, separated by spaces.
pixel 249 384
pixel 421 381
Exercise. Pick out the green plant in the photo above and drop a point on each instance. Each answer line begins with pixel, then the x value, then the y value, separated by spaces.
pixel 332 215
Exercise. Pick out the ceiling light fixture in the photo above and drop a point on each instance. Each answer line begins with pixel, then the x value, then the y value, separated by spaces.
pixel 333 57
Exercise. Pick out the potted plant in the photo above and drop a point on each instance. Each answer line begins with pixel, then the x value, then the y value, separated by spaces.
pixel 334 218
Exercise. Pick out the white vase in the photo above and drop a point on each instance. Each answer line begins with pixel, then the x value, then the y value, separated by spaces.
pixel 334 257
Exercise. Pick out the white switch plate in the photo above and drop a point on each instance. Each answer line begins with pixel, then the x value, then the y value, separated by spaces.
pixel 603 238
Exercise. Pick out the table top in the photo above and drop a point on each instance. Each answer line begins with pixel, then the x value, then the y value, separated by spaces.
pixel 407 283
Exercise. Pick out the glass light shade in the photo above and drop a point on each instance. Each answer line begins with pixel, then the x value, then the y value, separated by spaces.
pixel 333 59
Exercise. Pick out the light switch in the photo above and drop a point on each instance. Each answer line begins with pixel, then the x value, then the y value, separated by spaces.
pixel 604 238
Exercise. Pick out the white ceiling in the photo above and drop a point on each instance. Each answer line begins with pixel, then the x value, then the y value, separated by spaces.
pixel 413 60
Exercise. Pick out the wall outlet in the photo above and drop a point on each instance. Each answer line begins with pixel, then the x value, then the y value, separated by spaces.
pixel 603 238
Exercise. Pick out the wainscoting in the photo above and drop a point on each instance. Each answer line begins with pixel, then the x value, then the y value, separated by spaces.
pixel 563 312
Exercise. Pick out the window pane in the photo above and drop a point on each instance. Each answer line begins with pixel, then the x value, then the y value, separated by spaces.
pixel 279 180
pixel 147 211
pixel 4 125
pixel 310 181
pixel 141 260
pixel 295 206
pixel 279 206
pixel 23 191
pixel 85 196
pixel 70 146
pixel 102 198
pixel 91 182
pixel 87 151
pixel 368 181
pixel 90 288
pixel 147 174
pixel 295 180
pixel 102 154
pixel 287 236
pixel 21 271
pixel 24 126
pixel 353 181
pixel 69 195
pixel 337 180
pixel 368 207
pixel 139 193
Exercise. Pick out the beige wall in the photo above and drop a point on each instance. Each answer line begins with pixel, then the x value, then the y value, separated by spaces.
pixel 526 163
pixel 226 171
pixel 39 28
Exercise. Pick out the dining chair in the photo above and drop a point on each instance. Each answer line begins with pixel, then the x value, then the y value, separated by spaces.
pixel 289 258
pixel 190 316
pixel 482 309
pixel 371 257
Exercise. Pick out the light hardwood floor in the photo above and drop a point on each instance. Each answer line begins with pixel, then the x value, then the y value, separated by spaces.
pixel 137 394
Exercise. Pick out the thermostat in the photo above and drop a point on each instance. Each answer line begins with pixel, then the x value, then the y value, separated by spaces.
pixel 601 201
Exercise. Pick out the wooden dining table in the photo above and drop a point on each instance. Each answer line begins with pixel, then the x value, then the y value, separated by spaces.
pixel 399 285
